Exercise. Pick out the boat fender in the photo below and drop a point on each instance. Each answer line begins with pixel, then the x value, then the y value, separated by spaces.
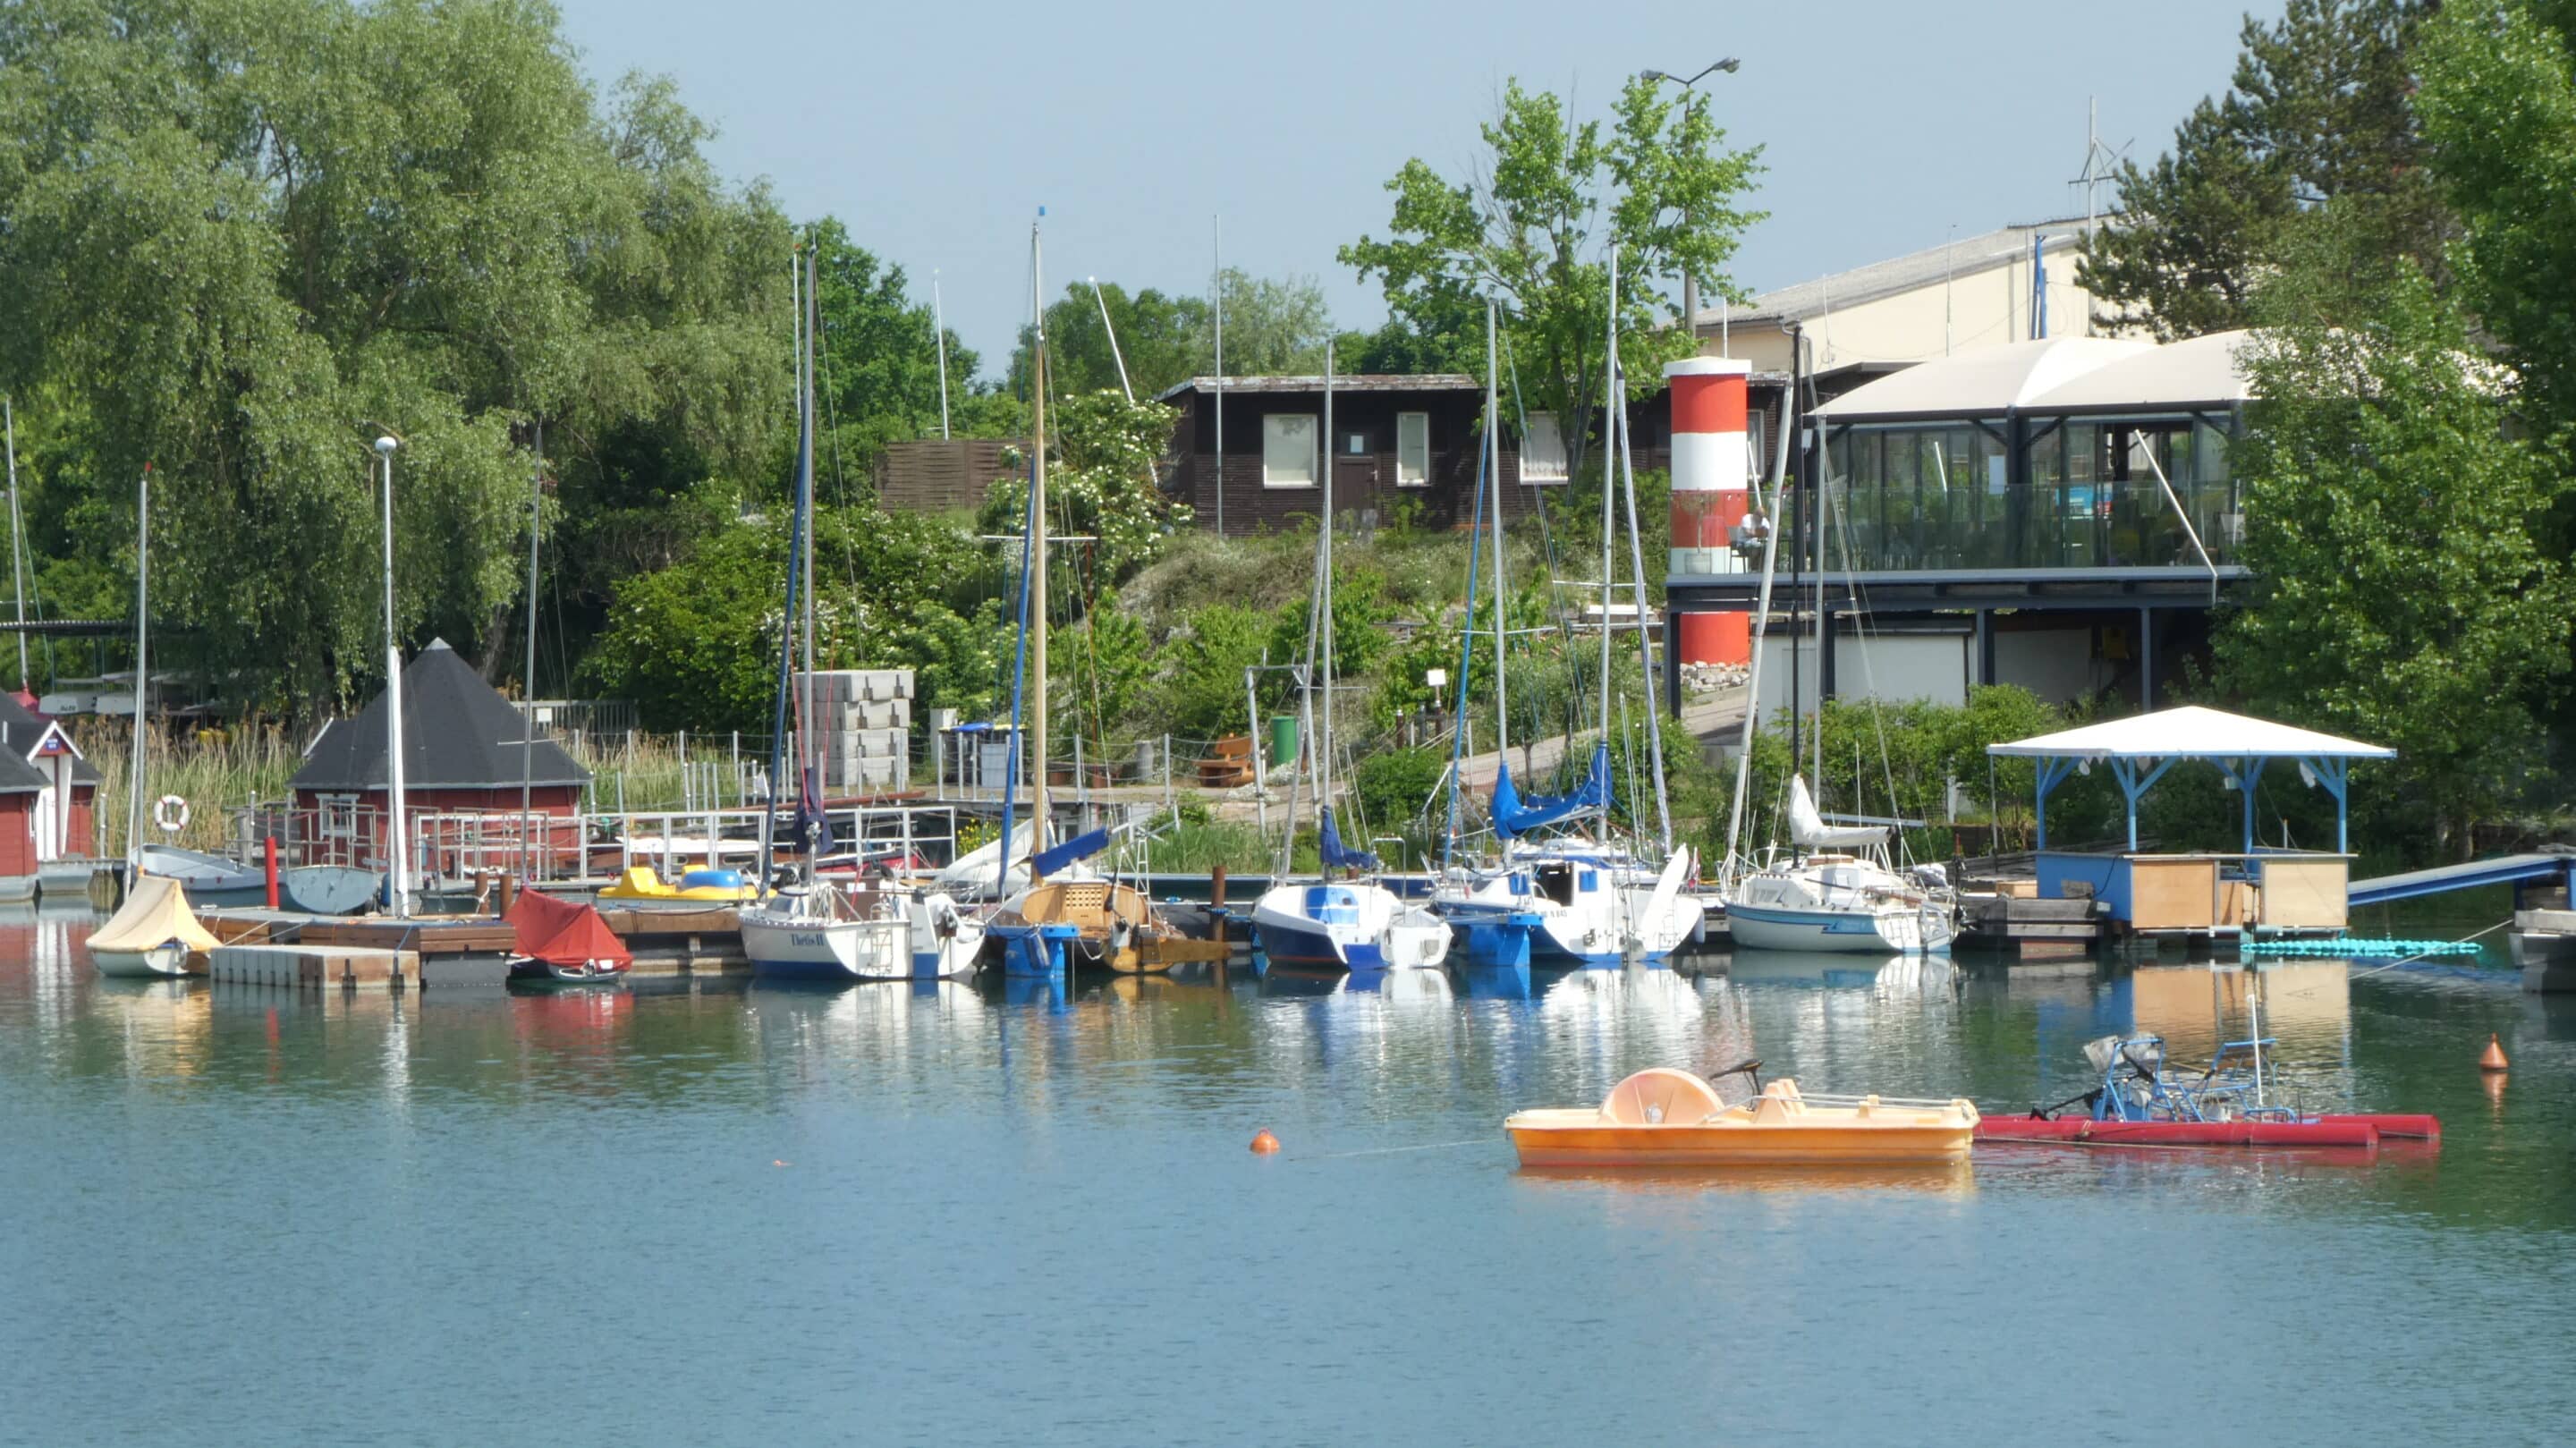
pixel 170 812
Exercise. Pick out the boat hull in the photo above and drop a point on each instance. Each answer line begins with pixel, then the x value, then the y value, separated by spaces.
pixel 784 947
pixel 159 962
pixel 1880 933
pixel 2085 1131
pixel 1354 927
pixel 1587 1141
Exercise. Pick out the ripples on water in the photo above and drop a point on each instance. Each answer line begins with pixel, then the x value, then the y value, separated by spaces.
pixel 679 1214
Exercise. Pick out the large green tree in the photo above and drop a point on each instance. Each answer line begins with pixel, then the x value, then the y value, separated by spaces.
pixel 2400 592
pixel 2317 113
pixel 1532 228
pixel 245 236
pixel 1271 327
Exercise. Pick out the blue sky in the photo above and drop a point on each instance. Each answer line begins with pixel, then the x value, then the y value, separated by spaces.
pixel 936 130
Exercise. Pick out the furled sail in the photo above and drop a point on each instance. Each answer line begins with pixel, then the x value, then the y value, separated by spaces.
pixel 1338 856
pixel 1515 815
pixel 1809 829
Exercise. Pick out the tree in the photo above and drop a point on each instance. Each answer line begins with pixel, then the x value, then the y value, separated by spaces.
pixel 1534 226
pixel 2399 593
pixel 2317 113
pixel 246 236
pixel 1101 485
pixel 1271 327
pixel 877 368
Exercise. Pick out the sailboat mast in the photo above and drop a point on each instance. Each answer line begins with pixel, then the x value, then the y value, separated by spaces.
pixel 808 733
pixel 1502 622
pixel 1611 398
pixel 1324 586
pixel 528 684
pixel 142 671
pixel 17 534
pixel 1038 814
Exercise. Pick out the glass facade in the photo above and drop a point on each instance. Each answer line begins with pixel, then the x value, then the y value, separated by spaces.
pixel 2083 494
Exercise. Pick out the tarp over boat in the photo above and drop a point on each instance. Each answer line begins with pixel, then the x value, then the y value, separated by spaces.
pixel 1514 815
pixel 559 932
pixel 156 912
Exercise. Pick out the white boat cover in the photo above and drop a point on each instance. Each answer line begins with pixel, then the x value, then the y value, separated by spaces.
pixel 156 912
pixel 1810 831
pixel 972 874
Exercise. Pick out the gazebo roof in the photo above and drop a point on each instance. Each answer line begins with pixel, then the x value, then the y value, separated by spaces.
pixel 458 733
pixel 2189 732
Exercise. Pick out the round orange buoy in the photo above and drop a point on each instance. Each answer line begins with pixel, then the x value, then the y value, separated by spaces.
pixel 1263 1143
pixel 2492 1058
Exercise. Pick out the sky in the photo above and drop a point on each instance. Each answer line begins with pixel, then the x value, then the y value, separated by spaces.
pixel 937 130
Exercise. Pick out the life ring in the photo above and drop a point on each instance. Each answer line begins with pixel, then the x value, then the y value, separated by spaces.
pixel 170 812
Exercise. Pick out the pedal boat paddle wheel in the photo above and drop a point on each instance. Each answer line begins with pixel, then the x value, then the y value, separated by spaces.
pixel 1666 1118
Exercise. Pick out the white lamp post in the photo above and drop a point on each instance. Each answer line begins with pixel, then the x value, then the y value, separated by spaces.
pixel 398 891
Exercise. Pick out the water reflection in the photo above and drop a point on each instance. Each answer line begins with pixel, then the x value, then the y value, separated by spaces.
pixel 1942 1179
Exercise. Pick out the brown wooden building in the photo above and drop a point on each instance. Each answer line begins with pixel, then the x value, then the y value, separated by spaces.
pixel 937 475
pixel 1398 441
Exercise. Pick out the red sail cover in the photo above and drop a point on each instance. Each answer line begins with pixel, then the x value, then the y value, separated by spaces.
pixel 559 932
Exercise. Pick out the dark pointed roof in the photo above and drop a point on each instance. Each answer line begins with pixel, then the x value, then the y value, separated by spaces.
pixel 21 729
pixel 458 733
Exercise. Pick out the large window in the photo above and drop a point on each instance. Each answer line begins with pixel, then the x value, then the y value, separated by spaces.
pixel 1543 451
pixel 1288 450
pixel 1413 449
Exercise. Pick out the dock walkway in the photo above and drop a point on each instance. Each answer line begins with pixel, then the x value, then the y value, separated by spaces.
pixel 2557 863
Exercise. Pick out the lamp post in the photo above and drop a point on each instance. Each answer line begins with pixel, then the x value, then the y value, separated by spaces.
pixel 1690 285
pixel 398 886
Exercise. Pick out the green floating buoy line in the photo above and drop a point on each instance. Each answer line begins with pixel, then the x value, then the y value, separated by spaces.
pixel 2350 946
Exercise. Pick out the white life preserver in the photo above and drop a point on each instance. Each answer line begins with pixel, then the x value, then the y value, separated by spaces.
pixel 170 812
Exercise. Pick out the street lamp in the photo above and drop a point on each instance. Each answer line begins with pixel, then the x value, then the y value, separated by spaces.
pixel 397 888
pixel 1690 287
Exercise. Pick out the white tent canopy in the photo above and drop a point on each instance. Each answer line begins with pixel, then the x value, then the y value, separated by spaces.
pixel 2141 748
pixel 2189 732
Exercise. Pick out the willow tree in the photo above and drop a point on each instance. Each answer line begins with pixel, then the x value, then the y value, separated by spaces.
pixel 1533 227
pixel 246 236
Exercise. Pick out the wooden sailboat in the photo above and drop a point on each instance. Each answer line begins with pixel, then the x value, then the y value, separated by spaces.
pixel 1077 917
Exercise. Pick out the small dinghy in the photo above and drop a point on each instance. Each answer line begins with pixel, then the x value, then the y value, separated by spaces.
pixel 2139 1103
pixel 152 935
pixel 709 886
pixel 1666 1118
pixel 560 942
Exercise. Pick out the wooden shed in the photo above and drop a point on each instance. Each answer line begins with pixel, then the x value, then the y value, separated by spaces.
pixel 48 792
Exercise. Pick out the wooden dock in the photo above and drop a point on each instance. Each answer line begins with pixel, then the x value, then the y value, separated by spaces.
pixel 311 967
pixel 2024 925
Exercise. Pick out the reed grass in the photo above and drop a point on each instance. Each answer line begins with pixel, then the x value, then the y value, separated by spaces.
pixel 214 770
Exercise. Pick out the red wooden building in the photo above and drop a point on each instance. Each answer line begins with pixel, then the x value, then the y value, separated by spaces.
pixel 462 763
pixel 48 792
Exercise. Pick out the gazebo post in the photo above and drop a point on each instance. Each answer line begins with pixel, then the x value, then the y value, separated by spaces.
pixel 2248 772
pixel 2335 774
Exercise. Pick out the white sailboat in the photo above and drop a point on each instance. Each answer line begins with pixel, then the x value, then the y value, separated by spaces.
pixel 1834 889
pixel 1331 923
pixel 1567 900
pixel 818 931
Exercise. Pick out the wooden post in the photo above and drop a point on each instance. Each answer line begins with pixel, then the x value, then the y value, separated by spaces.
pixel 507 893
pixel 1216 902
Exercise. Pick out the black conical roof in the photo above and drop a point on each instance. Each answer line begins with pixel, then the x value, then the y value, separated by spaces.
pixel 458 733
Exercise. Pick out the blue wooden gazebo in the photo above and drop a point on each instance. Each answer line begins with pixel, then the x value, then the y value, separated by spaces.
pixel 2141 748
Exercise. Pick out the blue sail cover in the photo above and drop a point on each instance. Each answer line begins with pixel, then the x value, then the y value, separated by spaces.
pixel 1047 862
pixel 1514 815
pixel 1338 856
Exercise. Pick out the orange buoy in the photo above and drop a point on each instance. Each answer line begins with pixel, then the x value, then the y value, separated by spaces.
pixel 2492 1058
pixel 1263 1143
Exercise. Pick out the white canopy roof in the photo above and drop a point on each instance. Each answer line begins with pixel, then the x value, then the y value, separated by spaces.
pixel 1981 382
pixel 2197 373
pixel 2190 732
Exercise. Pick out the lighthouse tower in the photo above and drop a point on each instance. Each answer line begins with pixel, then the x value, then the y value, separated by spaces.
pixel 1712 470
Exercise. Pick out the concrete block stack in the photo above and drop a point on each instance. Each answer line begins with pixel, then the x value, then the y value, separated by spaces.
pixel 864 723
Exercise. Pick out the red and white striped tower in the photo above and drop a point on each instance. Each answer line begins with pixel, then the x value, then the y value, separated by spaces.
pixel 1712 468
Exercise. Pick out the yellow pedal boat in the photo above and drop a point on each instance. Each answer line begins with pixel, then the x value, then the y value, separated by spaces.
pixel 642 882
pixel 1667 1118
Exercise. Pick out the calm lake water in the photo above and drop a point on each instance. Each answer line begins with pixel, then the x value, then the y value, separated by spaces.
pixel 724 1215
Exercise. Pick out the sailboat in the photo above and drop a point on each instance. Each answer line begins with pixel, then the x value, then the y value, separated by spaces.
pixel 1331 923
pixel 1077 918
pixel 154 932
pixel 815 930
pixel 1835 889
pixel 1560 900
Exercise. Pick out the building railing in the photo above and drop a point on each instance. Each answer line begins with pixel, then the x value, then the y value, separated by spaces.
pixel 1882 528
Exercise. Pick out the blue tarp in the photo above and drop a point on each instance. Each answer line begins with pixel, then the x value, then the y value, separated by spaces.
pixel 1047 862
pixel 1514 815
pixel 1339 856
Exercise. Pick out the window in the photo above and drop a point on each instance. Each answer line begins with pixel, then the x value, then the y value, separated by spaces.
pixel 1757 462
pixel 1413 449
pixel 1288 450
pixel 1543 450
